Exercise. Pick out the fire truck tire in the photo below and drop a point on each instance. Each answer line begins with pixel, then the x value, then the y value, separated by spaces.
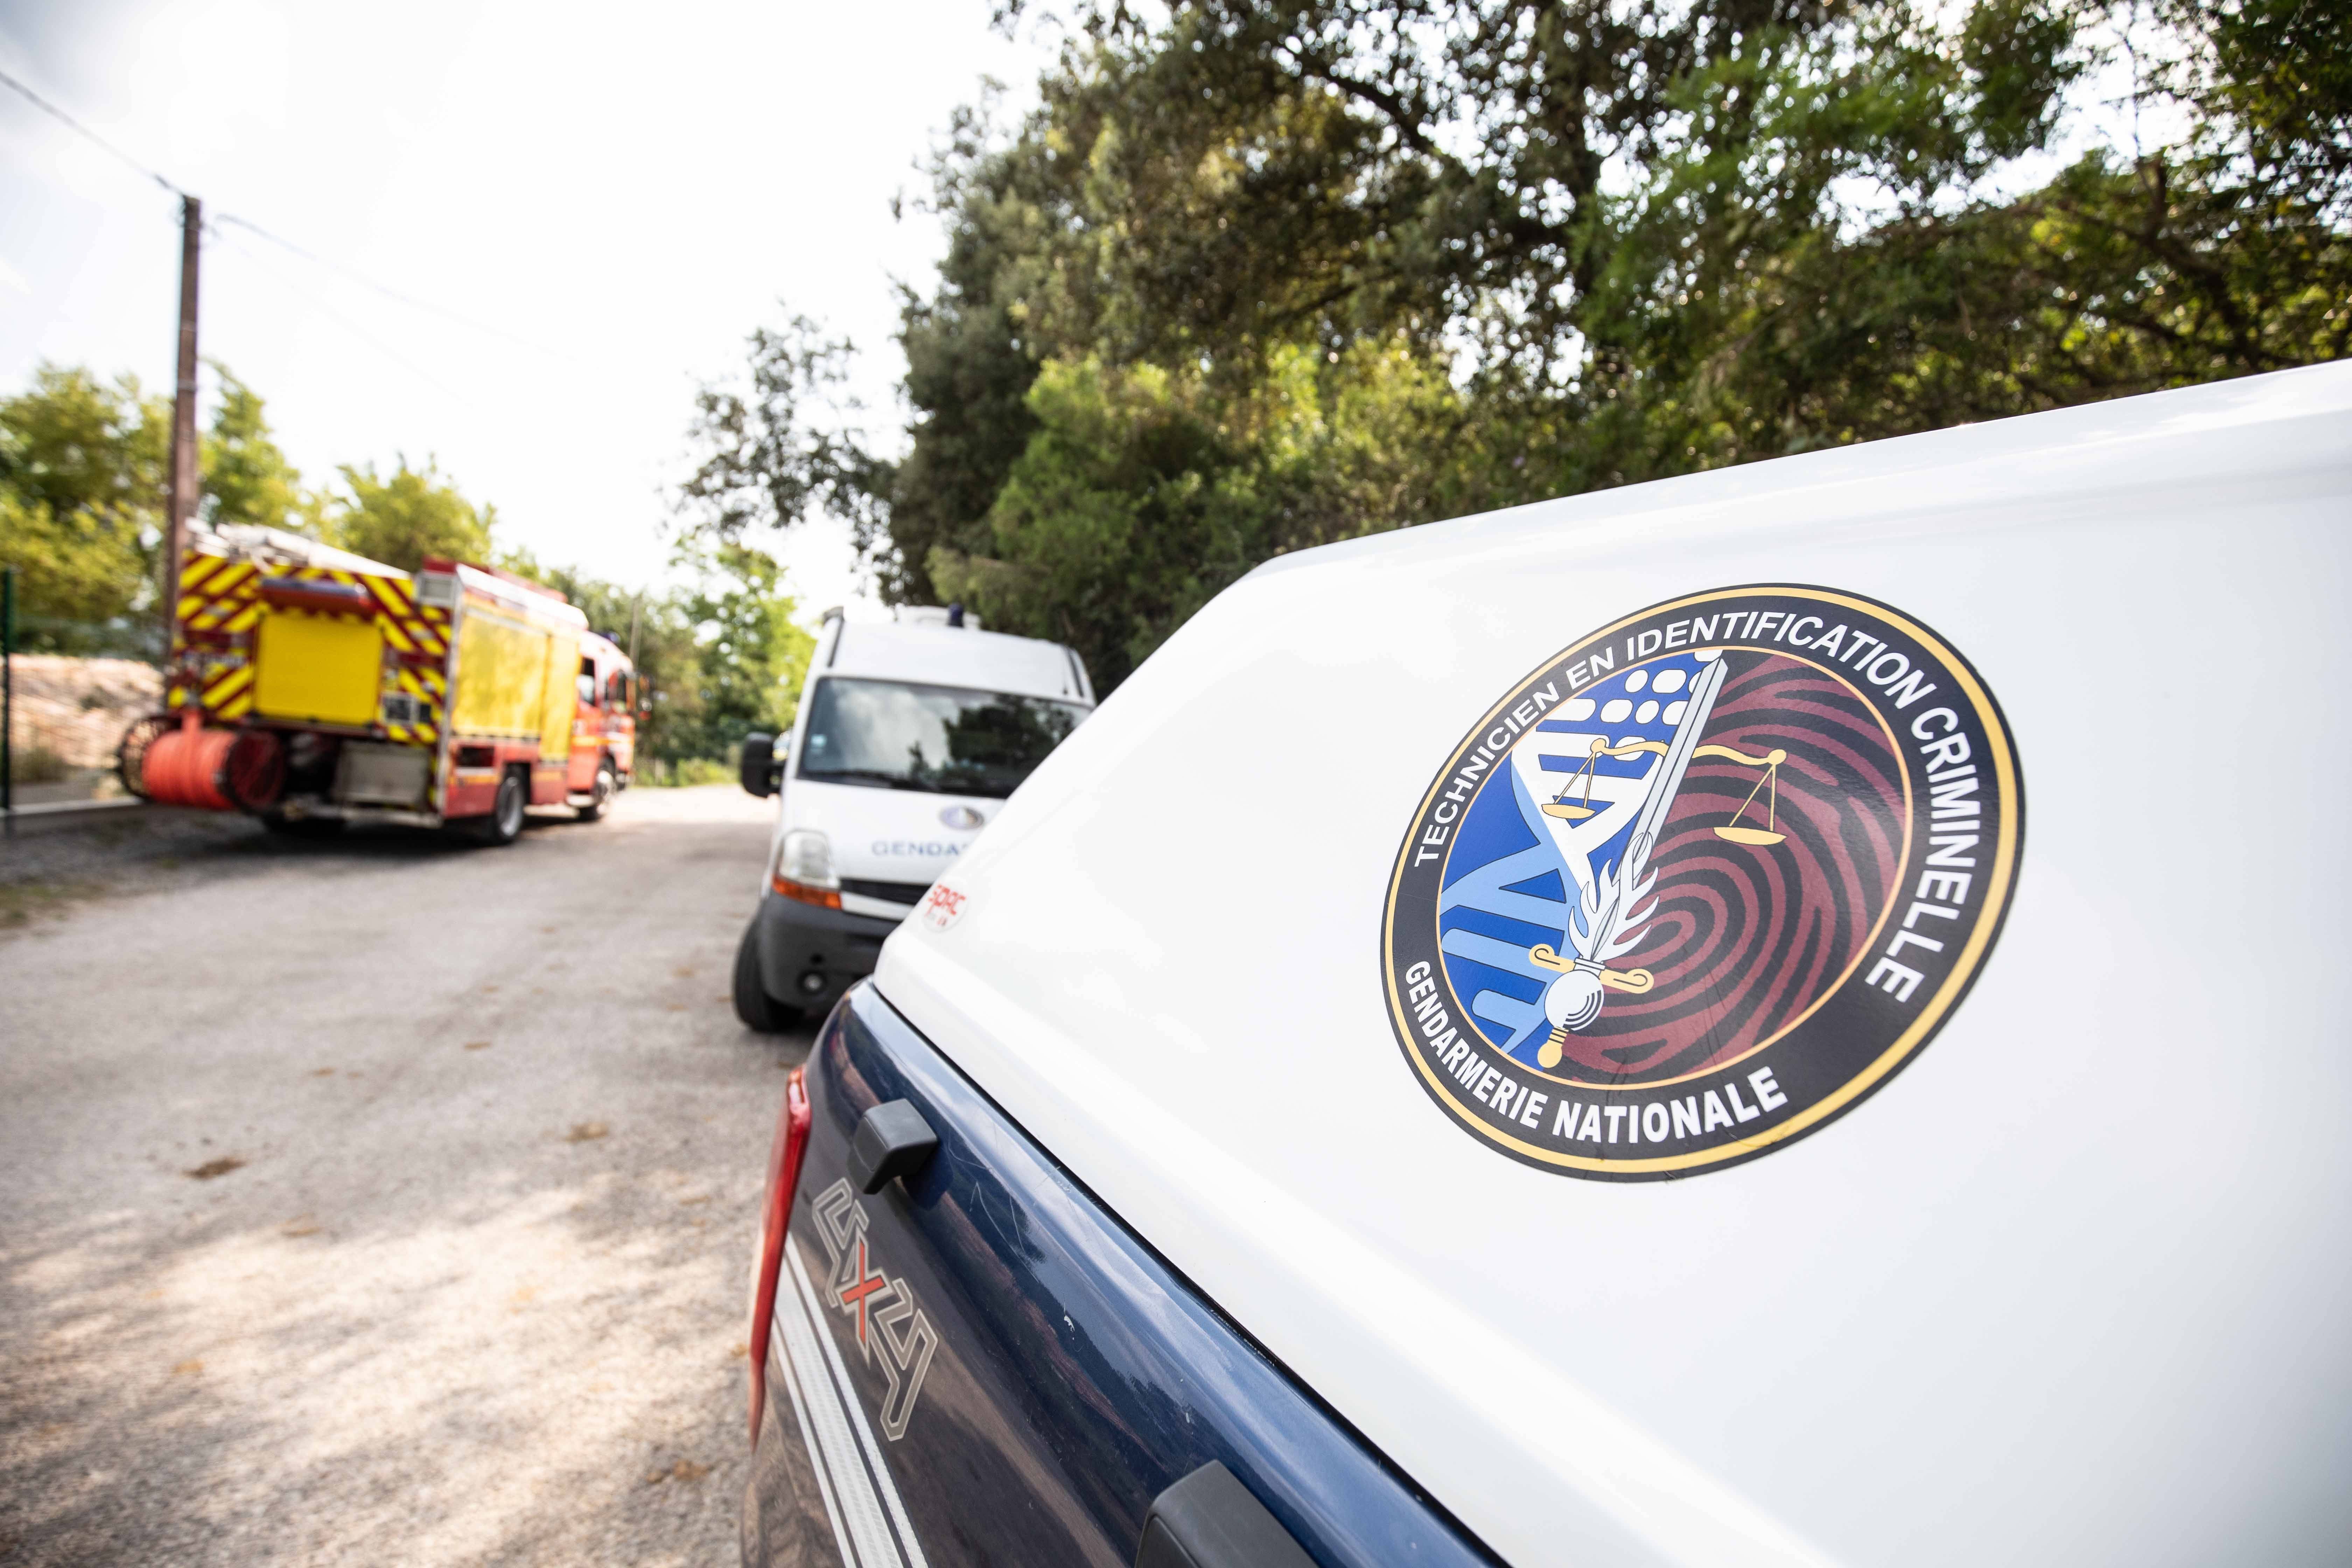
pixel 760 1013
pixel 504 823
pixel 607 785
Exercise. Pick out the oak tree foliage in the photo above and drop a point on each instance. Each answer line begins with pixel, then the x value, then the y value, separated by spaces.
pixel 407 515
pixel 84 464
pixel 720 652
pixel 246 477
pixel 81 488
pixel 1253 276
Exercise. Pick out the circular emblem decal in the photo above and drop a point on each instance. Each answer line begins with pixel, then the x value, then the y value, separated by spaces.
pixel 1701 882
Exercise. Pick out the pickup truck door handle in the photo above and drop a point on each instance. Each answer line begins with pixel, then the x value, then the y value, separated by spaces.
pixel 1209 1519
pixel 892 1140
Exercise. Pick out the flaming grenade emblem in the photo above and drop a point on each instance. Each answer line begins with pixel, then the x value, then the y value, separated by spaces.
pixel 1656 742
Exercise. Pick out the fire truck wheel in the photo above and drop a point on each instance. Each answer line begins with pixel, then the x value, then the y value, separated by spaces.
pixel 608 785
pixel 504 823
pixel 760 1013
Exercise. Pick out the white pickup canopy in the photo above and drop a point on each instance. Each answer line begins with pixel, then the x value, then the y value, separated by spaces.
pixel 2069 1288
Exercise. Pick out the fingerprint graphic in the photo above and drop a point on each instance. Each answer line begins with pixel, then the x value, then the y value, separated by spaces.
pixel 1747 936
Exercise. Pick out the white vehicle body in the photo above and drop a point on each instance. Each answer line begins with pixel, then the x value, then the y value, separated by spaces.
pixel 908 837
pixel 869 847
pixel 2072 1287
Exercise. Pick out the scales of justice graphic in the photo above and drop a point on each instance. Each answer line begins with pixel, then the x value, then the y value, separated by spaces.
pixel 1594 784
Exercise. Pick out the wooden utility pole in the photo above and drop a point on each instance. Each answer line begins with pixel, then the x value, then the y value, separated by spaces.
pixel 181 505
pixel 8 698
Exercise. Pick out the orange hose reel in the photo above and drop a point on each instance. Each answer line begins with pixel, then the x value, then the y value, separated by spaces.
pixel 218 770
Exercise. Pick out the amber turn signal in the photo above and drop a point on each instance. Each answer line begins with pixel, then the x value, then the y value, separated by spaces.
pixel 801 893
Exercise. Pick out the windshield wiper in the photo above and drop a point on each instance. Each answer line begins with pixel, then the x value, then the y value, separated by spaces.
pixel 868 776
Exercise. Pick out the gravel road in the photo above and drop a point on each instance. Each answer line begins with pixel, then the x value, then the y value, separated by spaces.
pixel 380 1201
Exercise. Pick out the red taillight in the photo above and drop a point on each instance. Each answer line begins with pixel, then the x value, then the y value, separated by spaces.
pixel 784 1175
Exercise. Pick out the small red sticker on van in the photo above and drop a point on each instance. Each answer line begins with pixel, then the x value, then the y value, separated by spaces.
pixel 943 906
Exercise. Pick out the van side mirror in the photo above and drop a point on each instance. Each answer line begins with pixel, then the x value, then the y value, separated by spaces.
pixel 758 769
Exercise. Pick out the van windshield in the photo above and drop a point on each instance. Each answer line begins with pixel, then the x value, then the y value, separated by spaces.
pixel 947 740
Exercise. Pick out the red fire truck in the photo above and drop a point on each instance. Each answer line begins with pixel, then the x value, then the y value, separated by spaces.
pixel 312 688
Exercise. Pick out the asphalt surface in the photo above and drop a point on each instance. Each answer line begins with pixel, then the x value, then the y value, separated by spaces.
pixel 379 1200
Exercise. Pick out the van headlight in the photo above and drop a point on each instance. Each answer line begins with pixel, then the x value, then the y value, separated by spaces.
pixel 804 868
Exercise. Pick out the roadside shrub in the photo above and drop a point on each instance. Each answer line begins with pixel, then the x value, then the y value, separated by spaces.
pixel 689 771
pixel 36 764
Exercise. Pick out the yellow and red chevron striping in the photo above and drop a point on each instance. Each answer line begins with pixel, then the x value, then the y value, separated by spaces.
pixel 220 605
pixel 219 595
pixel 228 693
pixel 409 627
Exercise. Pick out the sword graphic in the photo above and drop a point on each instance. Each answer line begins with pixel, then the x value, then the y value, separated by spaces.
pixel 1614 914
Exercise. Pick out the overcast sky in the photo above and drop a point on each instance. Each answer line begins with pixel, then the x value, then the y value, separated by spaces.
pixel 627 190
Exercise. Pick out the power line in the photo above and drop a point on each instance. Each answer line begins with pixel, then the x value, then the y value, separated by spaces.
pixel 364 279
pixel 357 330
pixel 46 107
pixel 312 256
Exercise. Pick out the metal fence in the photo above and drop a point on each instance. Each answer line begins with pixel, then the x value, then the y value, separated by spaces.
pixel 141 640
pixel 68 689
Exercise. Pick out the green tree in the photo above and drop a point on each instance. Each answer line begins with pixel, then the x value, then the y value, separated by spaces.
pixel 785 444
pixel 1144 490
pixel 751 655
pixel 667 657
pixel 1254 276
pixel 972 356
pixel 73 443
pixel 83 467
pixel 81 485
pixel 721 654
pixel 78 568
pixel 414 514
pixel 246 478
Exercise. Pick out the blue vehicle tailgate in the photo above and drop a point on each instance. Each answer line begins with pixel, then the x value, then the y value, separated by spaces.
pixel 979 1365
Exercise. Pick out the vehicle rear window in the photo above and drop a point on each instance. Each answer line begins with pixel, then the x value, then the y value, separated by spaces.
pixel 947 740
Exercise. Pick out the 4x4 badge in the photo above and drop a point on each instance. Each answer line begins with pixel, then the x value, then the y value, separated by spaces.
pixel 1701 882
pixel 889 1328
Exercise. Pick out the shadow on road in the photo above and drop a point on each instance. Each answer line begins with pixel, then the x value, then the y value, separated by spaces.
pixel 380 1199
pixel 44 872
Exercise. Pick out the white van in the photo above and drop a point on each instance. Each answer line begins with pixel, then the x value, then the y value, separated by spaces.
pixel 908 738
pixel 1789 1016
